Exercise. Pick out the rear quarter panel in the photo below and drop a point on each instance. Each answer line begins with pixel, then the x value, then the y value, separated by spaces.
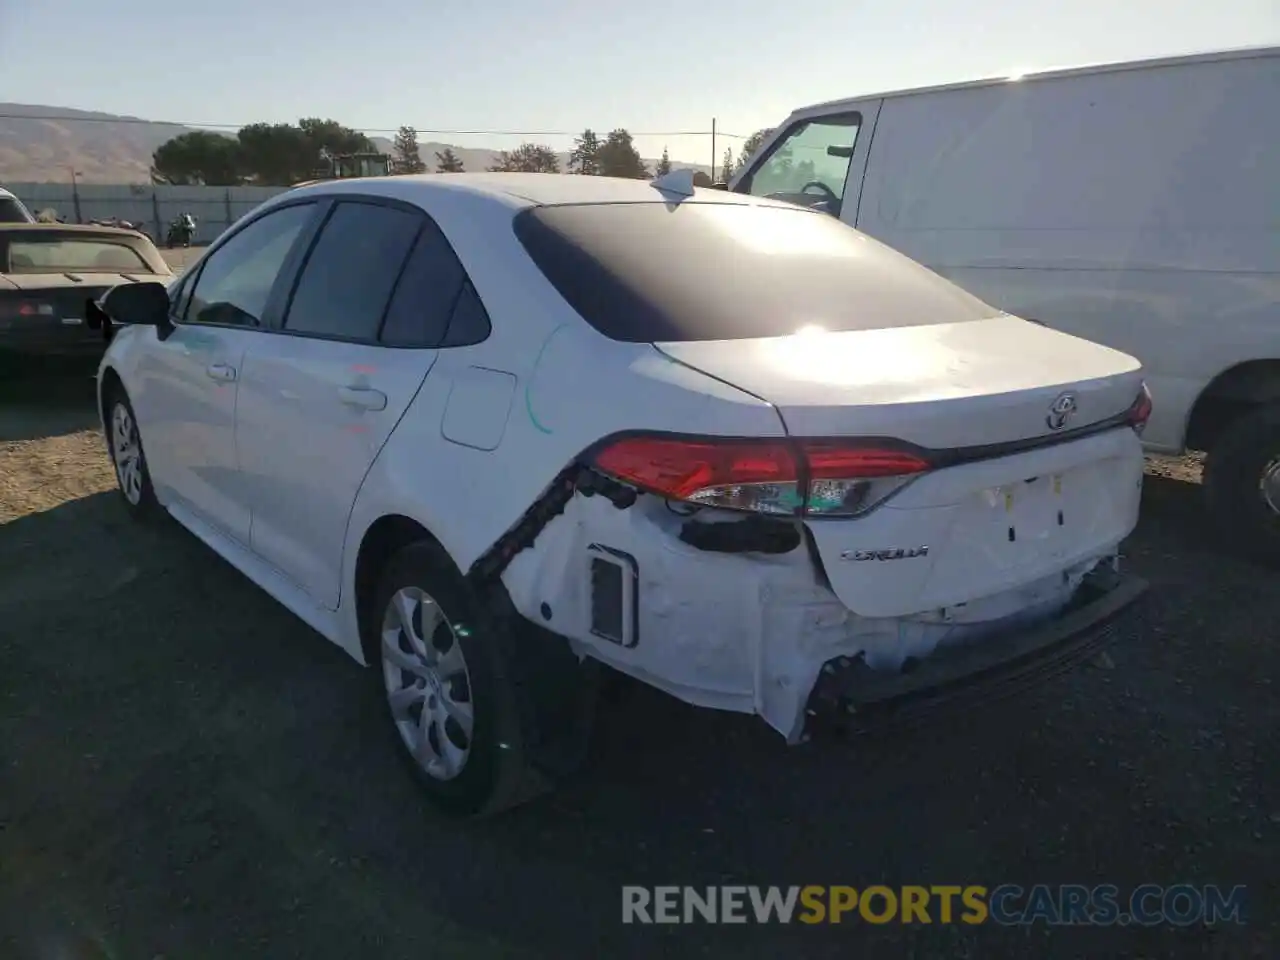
pixel 572 386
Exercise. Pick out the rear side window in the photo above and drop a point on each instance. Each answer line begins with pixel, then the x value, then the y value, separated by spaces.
pixel 346 284
pixel 653 273
pixel 469 324
pixel 424 297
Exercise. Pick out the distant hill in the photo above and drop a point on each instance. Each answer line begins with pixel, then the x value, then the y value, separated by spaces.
pixel 109 148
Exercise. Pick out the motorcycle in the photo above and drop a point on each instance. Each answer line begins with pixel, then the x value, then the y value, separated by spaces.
pixel 182 230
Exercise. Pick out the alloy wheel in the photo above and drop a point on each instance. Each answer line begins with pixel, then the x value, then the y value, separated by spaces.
pixel 1269 485
pixel 126 453
pixel 427 683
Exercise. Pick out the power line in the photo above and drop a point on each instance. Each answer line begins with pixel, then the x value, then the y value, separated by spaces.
pixel 379 130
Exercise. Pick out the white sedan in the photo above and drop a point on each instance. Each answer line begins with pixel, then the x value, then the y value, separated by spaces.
pixel 487 432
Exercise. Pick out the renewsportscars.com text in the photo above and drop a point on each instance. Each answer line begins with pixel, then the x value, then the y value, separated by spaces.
pixel 1004 905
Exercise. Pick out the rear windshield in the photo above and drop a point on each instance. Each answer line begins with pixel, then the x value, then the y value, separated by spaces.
pixel 654 272
pixel 88 256
pixel 11 211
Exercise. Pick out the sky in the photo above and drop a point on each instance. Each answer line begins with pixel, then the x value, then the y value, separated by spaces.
pixel 541 70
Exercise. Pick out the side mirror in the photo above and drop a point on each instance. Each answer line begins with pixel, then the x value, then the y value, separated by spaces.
pixel 133 304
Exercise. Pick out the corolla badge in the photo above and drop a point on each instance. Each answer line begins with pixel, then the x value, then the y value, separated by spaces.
pixel 1061 410
pixel 896 553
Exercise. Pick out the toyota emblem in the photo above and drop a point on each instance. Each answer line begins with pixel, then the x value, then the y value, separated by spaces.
pixel 1061 410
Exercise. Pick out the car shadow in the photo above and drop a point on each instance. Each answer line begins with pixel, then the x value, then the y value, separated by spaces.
pixel 46 397
pixel 1175 521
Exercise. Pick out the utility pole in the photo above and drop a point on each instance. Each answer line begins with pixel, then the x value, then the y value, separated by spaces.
pixel 75 196
pixel 713 149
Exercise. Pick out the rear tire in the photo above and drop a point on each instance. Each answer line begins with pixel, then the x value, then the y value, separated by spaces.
pixel 445 676
pixel 124 444
pixel 1242 484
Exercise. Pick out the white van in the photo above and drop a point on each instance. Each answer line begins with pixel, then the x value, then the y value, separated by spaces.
pixel 1135 204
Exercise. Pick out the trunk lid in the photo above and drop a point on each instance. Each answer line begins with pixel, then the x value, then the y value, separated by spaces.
pixel 940 386
pixel 56 298
pixel 989 522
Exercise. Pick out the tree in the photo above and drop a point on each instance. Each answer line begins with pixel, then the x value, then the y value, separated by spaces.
pixel 618 157
pixel 331 137
pixel 448 161
pixel 408 159
pixel 727 166
pixel 198 157
pixel 751 146
pixel 277 154
pixel 584 158
pixel 527 158
pixel 664 165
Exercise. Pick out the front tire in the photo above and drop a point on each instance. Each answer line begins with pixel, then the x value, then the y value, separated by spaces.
pixel 445 678
pixel 1242 483
pixel 124 443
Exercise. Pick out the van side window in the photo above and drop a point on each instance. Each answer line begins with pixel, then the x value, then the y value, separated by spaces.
pixel 808 165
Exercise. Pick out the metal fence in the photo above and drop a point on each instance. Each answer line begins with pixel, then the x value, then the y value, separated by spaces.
pixel 215 208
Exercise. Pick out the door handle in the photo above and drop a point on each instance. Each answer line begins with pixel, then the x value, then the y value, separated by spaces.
pixel 220 371
pixel 365 398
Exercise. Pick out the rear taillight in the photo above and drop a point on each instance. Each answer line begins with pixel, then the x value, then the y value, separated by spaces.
pixel 827 478
pixel 25 309
pixel 1140 412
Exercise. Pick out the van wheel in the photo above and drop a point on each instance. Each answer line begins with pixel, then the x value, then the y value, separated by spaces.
pixel 1242 483
pixel 446 679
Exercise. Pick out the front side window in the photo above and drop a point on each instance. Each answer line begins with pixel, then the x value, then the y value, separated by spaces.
pixel 347 281
pixel 11 211
pixel 59 254
pixel 809 163
pixel 236 279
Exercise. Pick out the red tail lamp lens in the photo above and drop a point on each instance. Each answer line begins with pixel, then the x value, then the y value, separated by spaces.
pixel 678 469
pixel 767 476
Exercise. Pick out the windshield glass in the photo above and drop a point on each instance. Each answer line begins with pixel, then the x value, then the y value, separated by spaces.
pixel 57 255
pixel 652 273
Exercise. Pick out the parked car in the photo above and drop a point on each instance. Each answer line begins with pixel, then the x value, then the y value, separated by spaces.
pixel 12 210
pixel 50 273
pixel 489 431
pixel 1135 204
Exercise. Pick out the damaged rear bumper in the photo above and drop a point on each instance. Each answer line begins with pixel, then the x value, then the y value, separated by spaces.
pixel 851 697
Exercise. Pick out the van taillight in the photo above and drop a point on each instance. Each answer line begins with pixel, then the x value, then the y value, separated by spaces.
pixel 1140 412
pixel 818 478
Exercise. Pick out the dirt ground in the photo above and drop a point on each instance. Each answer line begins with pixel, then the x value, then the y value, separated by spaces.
pixel 180 258
pixel 187 771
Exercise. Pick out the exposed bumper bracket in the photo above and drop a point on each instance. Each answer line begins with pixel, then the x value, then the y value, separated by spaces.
pixel 851 697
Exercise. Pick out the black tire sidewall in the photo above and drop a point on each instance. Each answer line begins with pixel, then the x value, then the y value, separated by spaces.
pixel 146 505
pixel 496 757
pixel 1233 471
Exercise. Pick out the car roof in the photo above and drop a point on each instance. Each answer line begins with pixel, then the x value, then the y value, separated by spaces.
pixel 521 190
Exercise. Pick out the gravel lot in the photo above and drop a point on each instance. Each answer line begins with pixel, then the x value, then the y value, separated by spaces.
pixel 180 257
pixel 186 771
